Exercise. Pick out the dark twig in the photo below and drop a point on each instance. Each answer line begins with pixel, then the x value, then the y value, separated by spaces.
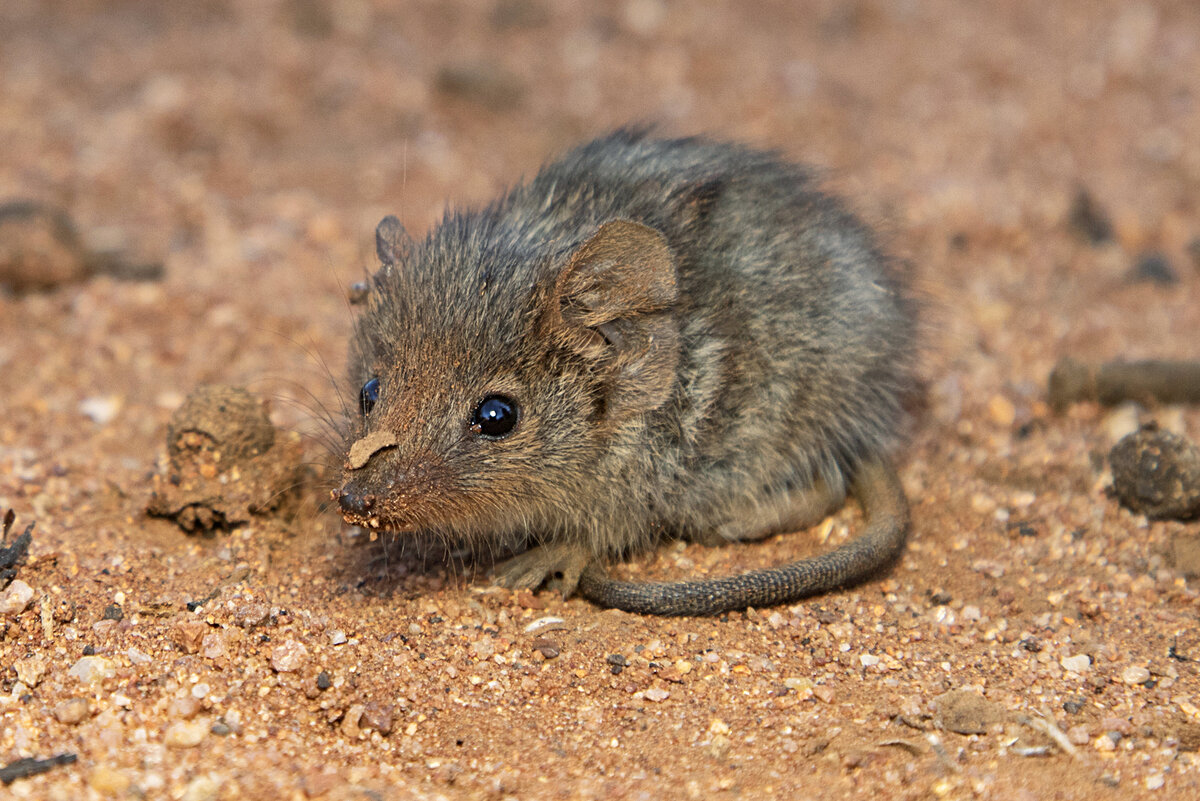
pixel 1115 382
pixel 32 766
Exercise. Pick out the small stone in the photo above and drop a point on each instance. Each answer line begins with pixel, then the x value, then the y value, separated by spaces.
pixel 1080 663
pixel 1135 674
pixel 100 410
pixel 1089 220
pixel 868 660
pixel 288 657
pixel 251 615
pixel 617 660
pixel 349 727
pixel 1120 422
pixel 323 681
pixel 138 657
pixel 108 782
pixel 186 733
pixel 213 646
pixel 1154 268
pixel 113 612
pixel 1155 781
pixel 92 669
pixel 378 716
pixel 16 598
pixel 1072 706
pixel 1001 411
pixel 1104 743
pixel 30 671
pixel 72 710
pixel 202 788
pixel 189 634
pixel 1079 735
pixel 657 694
pixel 337 637
pixel 547 648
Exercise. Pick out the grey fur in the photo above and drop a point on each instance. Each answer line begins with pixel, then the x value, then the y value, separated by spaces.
pixel 723 380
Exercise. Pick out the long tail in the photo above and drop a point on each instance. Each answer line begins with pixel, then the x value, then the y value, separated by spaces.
pixel 882 498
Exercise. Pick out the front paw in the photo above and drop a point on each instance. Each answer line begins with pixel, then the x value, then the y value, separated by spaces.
pixel 557 566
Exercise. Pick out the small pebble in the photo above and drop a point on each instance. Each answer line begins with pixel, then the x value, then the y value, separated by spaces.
pixel 100 410
pixel 138 657
pixel 1089 220
pixel 379 716
pixel 1135 674
pixel 72 710
pixel 16 598
pixel 1155 781
pixel 1154 268
pixel 30 671
pixel 1079 735
pixel 108 782
pixel 323 681
pixel 1080 663
pixel 657 694
pixel 186 733
pixel 547 648
pixel 548 622
pixel 92 669
pixel 868 660
pixel 288 657
pixel 337 637
pixel 203 788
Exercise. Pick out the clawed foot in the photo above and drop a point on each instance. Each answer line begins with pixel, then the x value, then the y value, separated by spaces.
pixel 556 566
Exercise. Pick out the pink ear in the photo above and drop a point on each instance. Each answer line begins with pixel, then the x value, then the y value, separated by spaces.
pixel 613 301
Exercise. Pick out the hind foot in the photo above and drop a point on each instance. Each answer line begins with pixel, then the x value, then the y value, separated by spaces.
pixel 557 566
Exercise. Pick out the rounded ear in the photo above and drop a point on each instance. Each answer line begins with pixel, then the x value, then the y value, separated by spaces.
pixel 613 303
pixel 624 269
pixel 391 240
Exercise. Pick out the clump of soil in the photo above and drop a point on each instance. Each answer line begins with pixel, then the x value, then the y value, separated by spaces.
pixel 226 461
pixel 1157 473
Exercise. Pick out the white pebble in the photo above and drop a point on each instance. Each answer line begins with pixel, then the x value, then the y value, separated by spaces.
pixel 1135 674
pixel 657 694
pixel 1080 663
pixel 544 622
pixel 868 660
pixel 289 657
pixel 186 733
pixel 16 598
pixel 100 410
pixel 92 669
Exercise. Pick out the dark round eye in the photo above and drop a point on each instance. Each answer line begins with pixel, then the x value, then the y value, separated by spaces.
pixel 368 395
pixel 495 416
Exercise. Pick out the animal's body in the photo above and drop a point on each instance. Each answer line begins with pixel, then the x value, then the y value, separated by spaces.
pixel 649 338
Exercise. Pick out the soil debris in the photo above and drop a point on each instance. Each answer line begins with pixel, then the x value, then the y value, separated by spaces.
pixel 967 712
pixel 40 249
pixel 1089 220
pixel 1157 473
pixel 226 462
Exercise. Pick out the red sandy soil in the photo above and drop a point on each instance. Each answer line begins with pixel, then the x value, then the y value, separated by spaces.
pixel 253 146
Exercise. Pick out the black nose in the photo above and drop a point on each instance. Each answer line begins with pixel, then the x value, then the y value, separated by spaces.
pixel 354 503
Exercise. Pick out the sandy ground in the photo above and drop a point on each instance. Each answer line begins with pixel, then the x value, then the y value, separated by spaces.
pixel 253 146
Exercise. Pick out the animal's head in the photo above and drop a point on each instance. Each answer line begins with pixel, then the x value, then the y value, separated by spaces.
pixel 490 376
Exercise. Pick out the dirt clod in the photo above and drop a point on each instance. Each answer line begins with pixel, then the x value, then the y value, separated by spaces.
pixel 1157 473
